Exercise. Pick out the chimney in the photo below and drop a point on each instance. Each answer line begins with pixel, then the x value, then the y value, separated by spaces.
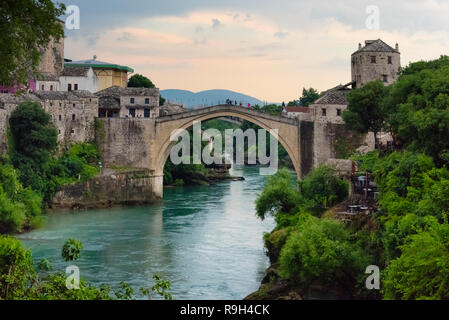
pixel 360 46
pixel 397 47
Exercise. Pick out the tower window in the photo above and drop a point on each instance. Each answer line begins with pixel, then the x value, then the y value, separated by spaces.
pixel 73 117
pixel 373 59
pixel 390 60
pixel 60 117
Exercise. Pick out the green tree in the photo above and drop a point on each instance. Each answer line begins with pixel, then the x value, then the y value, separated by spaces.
pixel 278 196
pixel 20 208
pixel 422 270
pixel 320 252
pixel 309 96
pixel 419 113
pixel 366 111
pixel 322 189
pixel 26 26
pixel 140 81
pixel 32 144
pixel 16 269
pixel 72 250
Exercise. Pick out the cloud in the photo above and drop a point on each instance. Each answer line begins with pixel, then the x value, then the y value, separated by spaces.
pixel 126 36
pixel 216 24
pixel 251 53
pixel 281 34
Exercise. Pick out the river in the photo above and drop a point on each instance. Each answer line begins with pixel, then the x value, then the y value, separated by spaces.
pixel 206 240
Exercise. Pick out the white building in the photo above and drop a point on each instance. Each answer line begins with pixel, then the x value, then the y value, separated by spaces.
pixel 78 78
pixel 47 82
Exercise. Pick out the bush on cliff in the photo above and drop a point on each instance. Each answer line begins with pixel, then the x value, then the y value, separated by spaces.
pixel 19 207
pixel 422 270
pixel 320 190
pixel 320 251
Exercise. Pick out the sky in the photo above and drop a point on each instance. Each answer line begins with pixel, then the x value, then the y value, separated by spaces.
pixel 269 49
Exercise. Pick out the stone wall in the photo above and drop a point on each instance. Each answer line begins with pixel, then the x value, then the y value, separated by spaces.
pixel 52 59
pixel 135 187
pixel 321 143
pixel 125 141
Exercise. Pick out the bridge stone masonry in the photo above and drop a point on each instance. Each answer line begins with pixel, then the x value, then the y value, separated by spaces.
pixel 145 143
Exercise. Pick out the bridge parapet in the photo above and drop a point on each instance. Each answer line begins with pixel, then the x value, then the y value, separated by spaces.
pixel 227 108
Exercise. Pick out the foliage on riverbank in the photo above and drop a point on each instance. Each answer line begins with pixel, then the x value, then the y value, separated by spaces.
pixel 20 280
pixel 408 238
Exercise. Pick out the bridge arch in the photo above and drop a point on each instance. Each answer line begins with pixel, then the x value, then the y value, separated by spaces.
pixel 288 130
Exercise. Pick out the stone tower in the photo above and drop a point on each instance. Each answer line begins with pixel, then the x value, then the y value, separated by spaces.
pixel 376 60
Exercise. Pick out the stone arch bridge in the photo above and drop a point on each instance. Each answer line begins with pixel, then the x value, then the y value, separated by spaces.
pixel 145 142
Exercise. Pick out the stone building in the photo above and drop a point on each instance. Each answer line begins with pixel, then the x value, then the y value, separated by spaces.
pixel 47 82
pixel 78 78
pixel 117 102
pixel 108 74
pixel 72 113
pixel 330 106
pixel 375 60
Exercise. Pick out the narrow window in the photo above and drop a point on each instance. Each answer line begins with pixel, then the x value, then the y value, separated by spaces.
pixel 385 78
pixel 69 87
pixel 73 131
pixel 131 100
pixel 73 117
pixel 339 112
pixel 76 86
pixel 43 87
pixel 373 59
pixel 51 88
pixel 132 113
pixel 74 105
pixel 390 61
pixel 146 113
pixel 323 112
pixel 60 104
pixel 60 117
pixel 147 100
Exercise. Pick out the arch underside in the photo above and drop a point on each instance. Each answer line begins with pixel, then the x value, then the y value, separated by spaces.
pixel 164 151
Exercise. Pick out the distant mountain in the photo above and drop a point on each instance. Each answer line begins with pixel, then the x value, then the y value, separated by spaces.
pixel 207 98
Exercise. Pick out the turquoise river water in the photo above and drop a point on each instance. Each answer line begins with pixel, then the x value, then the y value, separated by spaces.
pixel 206 240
